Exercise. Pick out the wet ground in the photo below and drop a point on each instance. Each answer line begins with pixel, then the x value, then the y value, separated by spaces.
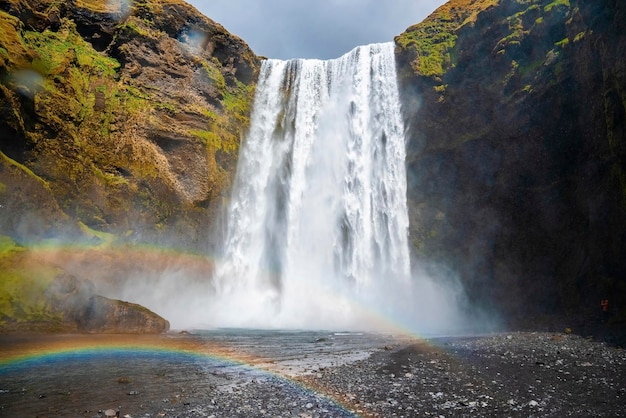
pixel 310 374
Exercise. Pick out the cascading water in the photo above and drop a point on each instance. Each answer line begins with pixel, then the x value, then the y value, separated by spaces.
pixel 317 227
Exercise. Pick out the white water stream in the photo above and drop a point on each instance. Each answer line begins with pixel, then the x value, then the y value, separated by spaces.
pixel 317 226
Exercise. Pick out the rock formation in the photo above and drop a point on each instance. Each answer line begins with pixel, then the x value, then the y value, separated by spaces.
pixel 125 119
pixel 118 124
pixel 111 316
pixel 517 153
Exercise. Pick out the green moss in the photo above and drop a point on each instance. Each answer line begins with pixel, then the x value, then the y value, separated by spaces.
pixel 109 179
pixel 139 27
pixel 238 102
pixel 548 7
pixel 99 5
pixel 103 237
pixel 215 75
pixel 166 106
pixel 432 47
pixel 224 129
pixel 210 138
pixel 511 73
pixel 10 162
pixel 11 41
pixel 434 39
pixel 55 51
pixel 70 69
pixel 7 245
pixel 562 43
pixel 579 36
pixel 132 100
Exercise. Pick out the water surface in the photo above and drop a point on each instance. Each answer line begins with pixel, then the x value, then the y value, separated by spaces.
pixel 202 373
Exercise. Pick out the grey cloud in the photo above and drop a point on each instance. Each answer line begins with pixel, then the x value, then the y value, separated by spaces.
pixel 315 29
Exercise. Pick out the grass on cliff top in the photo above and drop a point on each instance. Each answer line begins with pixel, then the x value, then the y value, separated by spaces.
pixel 433 40
pixel 435 37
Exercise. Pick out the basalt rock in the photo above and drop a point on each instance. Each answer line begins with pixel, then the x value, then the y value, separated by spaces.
pixel 517 154
pixel 104 315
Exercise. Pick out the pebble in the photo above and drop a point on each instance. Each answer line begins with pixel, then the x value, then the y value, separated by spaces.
pixel 479 377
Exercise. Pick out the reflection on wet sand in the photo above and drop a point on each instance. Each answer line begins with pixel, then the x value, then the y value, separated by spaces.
pixel 199 373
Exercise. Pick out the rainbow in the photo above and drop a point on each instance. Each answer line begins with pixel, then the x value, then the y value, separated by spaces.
pixel 27 353
pixel 112 267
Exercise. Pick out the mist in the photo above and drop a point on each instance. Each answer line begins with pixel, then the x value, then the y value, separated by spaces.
pixel 316 236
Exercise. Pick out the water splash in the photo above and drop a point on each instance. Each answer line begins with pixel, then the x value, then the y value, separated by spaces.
pixel 317 227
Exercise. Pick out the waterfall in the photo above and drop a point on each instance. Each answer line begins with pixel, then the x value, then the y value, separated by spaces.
pixel 317 226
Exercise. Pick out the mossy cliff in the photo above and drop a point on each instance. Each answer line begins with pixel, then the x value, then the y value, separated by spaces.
pixel 126 119
pixel 120 124
pixel 517 153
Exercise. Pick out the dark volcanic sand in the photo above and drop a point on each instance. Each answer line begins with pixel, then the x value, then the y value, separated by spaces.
pixel 519 374
pixel 324 375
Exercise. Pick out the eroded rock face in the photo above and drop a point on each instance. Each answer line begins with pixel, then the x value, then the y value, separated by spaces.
pixel 517 153
pixel 104 315
pixel 130 116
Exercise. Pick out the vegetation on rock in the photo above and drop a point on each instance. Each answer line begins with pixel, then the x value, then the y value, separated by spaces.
pixel 516 154
pixel 23 288
pixel 142 106
pixel 120 123
pixel 431 42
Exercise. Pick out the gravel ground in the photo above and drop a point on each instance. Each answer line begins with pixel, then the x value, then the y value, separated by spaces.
pixel 517 374
pixel 508 375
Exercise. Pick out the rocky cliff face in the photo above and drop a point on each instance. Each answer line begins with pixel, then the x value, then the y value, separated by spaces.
pixel 517 153
pixel 125 119
pixel 120 123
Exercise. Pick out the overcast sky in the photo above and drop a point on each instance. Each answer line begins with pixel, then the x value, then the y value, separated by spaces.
pixel 314 29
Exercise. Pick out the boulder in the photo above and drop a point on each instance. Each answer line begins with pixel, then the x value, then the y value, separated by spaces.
pixel 104 315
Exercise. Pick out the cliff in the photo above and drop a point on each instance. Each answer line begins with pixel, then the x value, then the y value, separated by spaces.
pixel 517 155
pixel 125 120
pixel 119 125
